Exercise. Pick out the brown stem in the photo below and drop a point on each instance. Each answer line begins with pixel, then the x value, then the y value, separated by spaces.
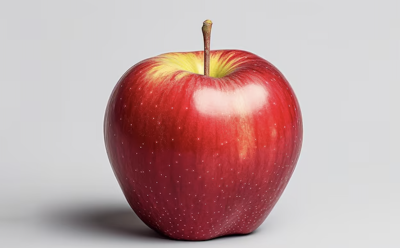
pixel 207 35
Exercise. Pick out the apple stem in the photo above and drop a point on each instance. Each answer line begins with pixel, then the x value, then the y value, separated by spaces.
pixel 206 36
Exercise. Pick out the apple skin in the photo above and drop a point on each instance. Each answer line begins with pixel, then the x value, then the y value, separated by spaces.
pixel 201 157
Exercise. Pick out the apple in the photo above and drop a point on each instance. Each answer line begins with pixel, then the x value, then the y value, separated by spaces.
pixel 203 143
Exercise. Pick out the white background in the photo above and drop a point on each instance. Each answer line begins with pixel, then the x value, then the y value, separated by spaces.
pixel 59 61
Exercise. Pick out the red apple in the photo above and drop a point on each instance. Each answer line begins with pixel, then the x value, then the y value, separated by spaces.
pixel 197 156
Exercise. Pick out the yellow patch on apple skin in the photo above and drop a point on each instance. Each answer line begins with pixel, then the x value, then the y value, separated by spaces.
pixel 246 141
pixel 221 66
pixel 182 64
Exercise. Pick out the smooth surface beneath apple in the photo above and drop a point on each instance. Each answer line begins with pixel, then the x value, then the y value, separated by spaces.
pixel 200 157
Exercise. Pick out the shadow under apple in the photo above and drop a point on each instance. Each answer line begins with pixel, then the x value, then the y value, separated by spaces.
pixel 113 221
pixel 108 221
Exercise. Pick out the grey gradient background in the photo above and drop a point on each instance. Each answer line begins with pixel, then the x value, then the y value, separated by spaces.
pixel 59 61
